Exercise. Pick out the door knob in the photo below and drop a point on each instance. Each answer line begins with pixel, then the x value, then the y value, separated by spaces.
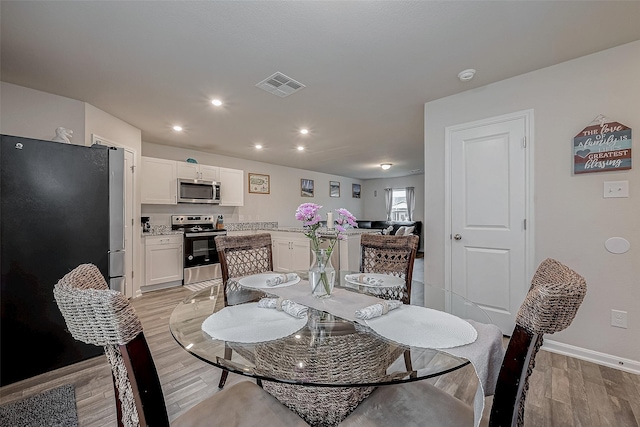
pixel 457 237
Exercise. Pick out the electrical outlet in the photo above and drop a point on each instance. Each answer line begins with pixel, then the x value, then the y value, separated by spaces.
pixel 619 319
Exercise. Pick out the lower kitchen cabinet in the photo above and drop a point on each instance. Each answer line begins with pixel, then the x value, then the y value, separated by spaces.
pixel 163 261
pixel 291 251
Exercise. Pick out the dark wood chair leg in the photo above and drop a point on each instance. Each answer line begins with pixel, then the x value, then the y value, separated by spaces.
pixel 225 373
pixel 408 365
pixel 223 379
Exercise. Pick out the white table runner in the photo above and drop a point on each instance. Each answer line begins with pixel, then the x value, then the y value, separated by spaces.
pixel 485 354
pixel 342 303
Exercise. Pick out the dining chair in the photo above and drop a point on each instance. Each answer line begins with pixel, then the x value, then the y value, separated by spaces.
pixel 241 256
pixel 392 255
pixel 96 315
pixel 552 302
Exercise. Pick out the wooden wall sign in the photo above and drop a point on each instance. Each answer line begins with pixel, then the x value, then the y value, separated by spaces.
pixel 602 146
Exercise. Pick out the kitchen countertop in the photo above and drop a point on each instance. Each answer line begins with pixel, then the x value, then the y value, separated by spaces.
pixel 348 232
pixel 160 230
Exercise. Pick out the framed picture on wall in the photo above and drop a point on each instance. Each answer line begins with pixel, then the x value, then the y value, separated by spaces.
pixel 306 187
pixel 334 188
pixel 355 191
pixel 259 183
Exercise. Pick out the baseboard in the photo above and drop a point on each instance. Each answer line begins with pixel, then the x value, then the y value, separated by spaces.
pixel 604 359
pixel 159 286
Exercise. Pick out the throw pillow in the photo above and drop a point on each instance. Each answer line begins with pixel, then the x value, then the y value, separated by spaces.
pixel 401 231
pixel 409 230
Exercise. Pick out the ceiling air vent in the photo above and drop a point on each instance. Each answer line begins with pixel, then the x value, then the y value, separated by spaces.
pixel 281 85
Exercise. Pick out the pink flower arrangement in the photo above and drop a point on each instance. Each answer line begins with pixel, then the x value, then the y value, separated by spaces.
pixel 309 214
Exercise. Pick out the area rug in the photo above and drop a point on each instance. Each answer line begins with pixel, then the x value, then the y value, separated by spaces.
pixel 202 285
pixel 53 408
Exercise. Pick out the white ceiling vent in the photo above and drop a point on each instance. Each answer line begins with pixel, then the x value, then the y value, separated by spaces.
pixel 281 85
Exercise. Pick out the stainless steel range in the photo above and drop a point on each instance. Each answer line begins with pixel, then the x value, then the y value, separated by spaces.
pixel 200 254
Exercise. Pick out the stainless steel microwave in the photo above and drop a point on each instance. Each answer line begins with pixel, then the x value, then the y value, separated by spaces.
pixel 198 191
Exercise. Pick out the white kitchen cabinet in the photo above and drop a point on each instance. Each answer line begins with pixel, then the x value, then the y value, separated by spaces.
pixel 196 171
pixel 163 260
pixel 231 187
pixel 158 181
pixel 350 253
pixel 291 251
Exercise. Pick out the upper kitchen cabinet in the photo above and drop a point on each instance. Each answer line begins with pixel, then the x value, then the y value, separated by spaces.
pixel 187 170
pixel 231 187
pixel 158 181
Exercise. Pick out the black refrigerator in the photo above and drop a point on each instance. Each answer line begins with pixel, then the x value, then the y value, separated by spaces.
pixel 61 206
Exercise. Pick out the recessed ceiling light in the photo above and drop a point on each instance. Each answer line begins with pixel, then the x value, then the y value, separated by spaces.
pixel 300 148
pixel 304 131
pixel 216 102
pixel 258 146
pixel 385 166
pixel 177 128
pixel 466 75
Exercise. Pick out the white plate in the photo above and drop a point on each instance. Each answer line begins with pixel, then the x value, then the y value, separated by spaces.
pixel 259 281
pixel 388 281
pixel 249 323
pixel 423 327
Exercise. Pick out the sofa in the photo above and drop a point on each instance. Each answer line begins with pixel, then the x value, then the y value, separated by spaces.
pixel 382 225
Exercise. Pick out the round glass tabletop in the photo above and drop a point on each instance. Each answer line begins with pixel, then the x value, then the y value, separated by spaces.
pixel 325 351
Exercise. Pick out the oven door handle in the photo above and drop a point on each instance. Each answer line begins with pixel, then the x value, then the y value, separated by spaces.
pixel 206 234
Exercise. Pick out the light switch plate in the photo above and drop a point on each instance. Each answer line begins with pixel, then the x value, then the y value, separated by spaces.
pixel 616 189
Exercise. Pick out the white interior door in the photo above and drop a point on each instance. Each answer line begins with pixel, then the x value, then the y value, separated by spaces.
pixel 488 207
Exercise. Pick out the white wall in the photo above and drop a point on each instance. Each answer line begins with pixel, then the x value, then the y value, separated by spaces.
pixel 112 128
pixel 280 205
pixel 572 220
pixel 34 114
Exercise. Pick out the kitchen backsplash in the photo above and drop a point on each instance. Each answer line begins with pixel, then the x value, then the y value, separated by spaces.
pixel 157 229
pixel 242 226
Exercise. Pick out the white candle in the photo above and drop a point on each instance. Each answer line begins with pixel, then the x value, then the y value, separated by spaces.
pixel 330 221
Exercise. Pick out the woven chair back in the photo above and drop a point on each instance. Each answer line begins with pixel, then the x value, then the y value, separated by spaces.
pixel 553 299
pixel 244 255
pixel 394 255
pixel 550 306
pixel 94 314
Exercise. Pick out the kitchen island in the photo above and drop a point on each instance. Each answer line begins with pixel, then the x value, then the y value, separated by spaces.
pixel 292 249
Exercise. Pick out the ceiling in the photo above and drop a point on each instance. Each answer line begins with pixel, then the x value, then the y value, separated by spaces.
pixel 368 67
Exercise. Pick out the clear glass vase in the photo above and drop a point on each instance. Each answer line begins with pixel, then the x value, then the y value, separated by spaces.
pixel 322 275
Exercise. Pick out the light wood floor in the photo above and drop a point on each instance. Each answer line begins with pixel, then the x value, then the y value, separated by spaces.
pixel 563 392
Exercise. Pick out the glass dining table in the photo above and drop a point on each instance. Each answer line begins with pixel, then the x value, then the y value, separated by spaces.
pixel 328 365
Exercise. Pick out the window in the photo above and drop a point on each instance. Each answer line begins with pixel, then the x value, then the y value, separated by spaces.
pixel 399 210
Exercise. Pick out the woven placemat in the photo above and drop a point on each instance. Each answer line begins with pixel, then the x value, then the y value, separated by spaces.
pixel 52 408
